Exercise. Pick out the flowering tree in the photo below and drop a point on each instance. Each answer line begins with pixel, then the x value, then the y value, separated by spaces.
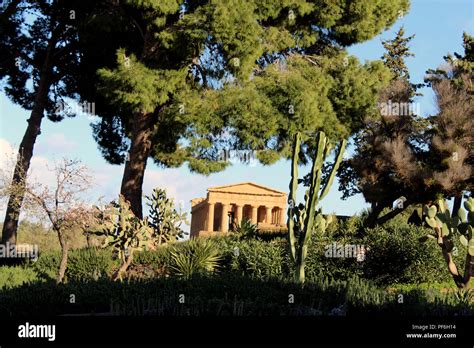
pixel 61 204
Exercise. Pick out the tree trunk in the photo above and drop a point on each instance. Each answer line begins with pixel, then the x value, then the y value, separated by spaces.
pixel 135 165
pixel 391 215
pixel 123 267
pixel 456 205
pixel 374 213
pixel 468 270
pixel 458 279
pixel 25 152
pixel 64 255
pixel 448 257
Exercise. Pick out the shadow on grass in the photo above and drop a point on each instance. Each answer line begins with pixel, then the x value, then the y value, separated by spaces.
pixel 223 295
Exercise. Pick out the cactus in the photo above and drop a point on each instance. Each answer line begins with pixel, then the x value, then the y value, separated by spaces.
pixel 164 218
pixel 446 228
pixel 123 231
pixel 303 219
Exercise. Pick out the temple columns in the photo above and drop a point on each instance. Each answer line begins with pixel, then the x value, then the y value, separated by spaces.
pixel 224 218
pixel 254 214
pixel 272 216
pixel 239 213
pixel 268 215
pixel 210 217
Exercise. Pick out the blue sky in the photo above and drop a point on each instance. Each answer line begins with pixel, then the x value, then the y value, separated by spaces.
pixel 437 24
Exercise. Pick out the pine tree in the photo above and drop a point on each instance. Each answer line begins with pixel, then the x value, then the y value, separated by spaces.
pixel 39 47
pixel 397 51
pixel 413 157
pixel 200 76
pixel 369 171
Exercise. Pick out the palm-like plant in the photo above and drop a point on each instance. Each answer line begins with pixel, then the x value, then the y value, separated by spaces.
pixel 197 256
pixel 464 296
pixel 246 229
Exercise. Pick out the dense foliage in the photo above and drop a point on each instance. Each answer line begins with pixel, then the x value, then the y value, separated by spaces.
pixel 228 295
pixel 394 256
pixel 248 276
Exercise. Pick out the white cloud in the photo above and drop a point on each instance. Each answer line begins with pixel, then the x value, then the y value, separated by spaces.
pixel 55 143
pixel 41 169
pixel 7 153
pixel 179 184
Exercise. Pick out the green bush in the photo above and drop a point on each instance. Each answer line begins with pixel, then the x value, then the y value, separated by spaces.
pixel 187 257
pixel 90 263
pixel 395 255
pixel 47 265
pixel 246 230
pixel 11 277
pixel 157 259
pixel 253 257
pixel 352 226
pixel 270 259
pixel 319 266
pixel 83 264
pixel 227 294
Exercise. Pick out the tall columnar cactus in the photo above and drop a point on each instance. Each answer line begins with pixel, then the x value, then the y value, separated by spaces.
pixel 446 228
pixel 303 219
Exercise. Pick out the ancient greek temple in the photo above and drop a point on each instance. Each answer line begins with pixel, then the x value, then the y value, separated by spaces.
pixel 226 206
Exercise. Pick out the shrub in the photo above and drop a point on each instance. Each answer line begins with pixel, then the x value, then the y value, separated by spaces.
pixel 83 264
pixel 270 259
pixel 157 259
pixel 227 294
pixel 47 265
pixel 395 255
pixel 90 263
pixel 319 266
pixel 352 226
pixel 11 277
pixel 197 256
pixel 255 258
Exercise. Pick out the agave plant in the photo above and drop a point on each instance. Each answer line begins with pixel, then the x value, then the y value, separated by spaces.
pixel 246 229
pixel 464 296
pixel 197 256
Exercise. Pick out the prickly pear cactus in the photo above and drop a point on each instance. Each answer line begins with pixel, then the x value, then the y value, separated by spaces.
pixel 466 225
pixel 440 220
pixel 123 231
pixel 446 228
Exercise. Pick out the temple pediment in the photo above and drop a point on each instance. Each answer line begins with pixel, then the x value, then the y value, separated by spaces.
pixel 247 188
